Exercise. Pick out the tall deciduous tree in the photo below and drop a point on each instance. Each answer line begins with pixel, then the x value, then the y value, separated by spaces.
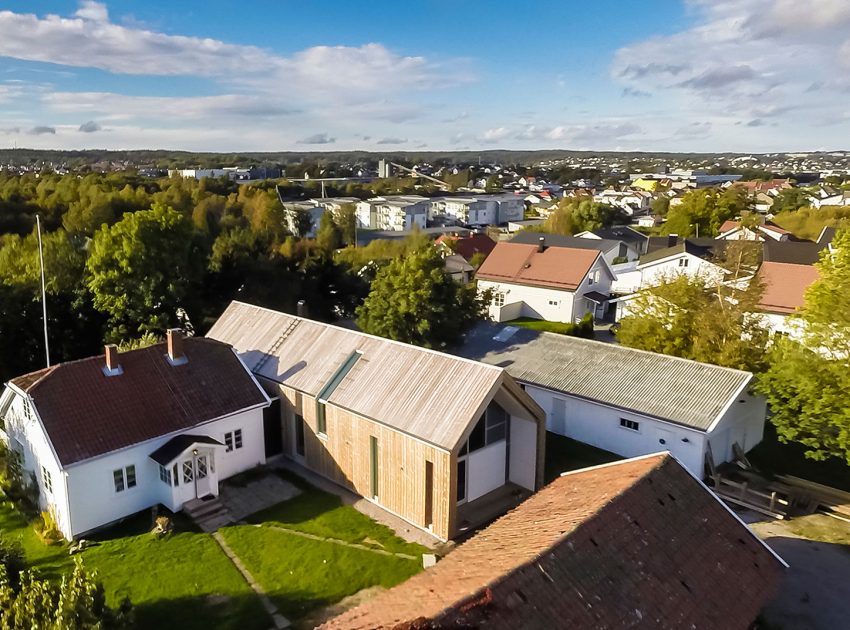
pixel 413 300
pixel 701 319
pixel 139 270
pixel 809 378
pixel 705 210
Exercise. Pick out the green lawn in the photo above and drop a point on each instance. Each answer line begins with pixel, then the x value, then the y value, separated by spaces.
pixel 302 575
pixel 564 454
pixel 323 514
pixel 775 458
pixel 183 580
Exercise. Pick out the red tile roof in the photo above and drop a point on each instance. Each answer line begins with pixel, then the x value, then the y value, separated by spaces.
pixel 87 413
pixel 785 286
pixel 640 543
pixel 556 267
pixel 468 246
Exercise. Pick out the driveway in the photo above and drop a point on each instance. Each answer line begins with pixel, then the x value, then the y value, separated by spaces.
pixel 815 593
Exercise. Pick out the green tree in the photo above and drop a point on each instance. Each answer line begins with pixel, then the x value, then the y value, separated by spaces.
pixel 139 270
pixel 328 236
pixel 701 319
pixel 577 214
pixel 346 221
pixel 413 300
pixel 790 199
pixel 77 602
pixel 809 377
pixel 704 210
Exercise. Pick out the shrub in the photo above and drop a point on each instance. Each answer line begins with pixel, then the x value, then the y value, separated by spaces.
pixel 47 529
pixel 12 560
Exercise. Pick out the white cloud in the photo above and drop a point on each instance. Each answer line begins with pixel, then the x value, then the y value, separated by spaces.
pixel 392 141
pixel 741 54
pixel 495 134
pixel 89 127
pixel 91 10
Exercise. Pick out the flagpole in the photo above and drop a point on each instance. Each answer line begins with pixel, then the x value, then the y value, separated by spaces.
pixel 43 292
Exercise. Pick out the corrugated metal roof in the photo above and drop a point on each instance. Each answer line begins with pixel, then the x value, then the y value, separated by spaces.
pixel 677 390
pixel 431 395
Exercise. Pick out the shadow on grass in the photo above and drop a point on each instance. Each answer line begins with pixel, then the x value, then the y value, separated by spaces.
pixel 564 454
pixel 775 458
pixel 233 612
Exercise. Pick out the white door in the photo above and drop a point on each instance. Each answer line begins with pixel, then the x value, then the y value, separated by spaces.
pixel 559 416
pixel 202 476
pixel 197 476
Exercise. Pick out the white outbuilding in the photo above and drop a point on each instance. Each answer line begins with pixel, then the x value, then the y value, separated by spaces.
pixel 630 402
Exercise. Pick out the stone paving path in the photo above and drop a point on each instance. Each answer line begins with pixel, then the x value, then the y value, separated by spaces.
pixel 256 495
pixel 337 541
pixel 280 622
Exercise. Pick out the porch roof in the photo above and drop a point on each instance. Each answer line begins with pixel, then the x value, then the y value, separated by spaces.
pixel 172 449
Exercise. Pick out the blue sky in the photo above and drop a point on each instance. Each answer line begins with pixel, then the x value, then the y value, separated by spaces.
pixel 679 75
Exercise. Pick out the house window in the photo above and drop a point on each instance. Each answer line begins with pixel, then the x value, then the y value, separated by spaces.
pixel 299 435
pixel 321 421
pixel 188 471
pixel 118 480
pixel 629 424
pixel 683 262
pixel 47 480
pixel 492 427
pixel 165 475
pixel 232 440
pixel 124 478
pixel 498 299
pixel 553 302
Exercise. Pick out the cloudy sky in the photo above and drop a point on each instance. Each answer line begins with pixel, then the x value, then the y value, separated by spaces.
pixel 692 75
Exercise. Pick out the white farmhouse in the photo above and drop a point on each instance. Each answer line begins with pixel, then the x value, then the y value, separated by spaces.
pixel 630 402
pixel 736 231
pixel 111 435
pixel 558 284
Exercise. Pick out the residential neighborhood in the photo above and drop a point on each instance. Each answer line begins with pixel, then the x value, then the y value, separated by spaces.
pixel 344 315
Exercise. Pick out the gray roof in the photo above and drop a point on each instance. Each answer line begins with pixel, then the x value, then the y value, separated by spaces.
pixel 703 248
pixel 431 395
pixel 677 390
pixel 793 252
pixel 528 237
pixel 621 233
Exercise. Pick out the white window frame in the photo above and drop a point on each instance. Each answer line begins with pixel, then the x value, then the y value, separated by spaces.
pixel 630 425
pixel 46 480
pixel 233 440
pixel 683 262
pixel 126 475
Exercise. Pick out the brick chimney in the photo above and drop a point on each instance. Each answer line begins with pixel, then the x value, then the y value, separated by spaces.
pixel 301 309
pixel 111 367
pixel 174 337
pixel 541 244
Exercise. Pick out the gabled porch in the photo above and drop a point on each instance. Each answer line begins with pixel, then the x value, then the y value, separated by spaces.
pixel 187 469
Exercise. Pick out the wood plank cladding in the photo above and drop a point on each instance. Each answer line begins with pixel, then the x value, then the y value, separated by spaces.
pixel 344 456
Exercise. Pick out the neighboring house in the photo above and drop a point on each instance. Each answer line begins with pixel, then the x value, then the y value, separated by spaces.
pixel 458 268
pixel 314 208
pixel 690 256
pixel 784 288
pixel 422 434
pixel 558 284
pixel 627 401
pixel 516 226
pixel 636 242
pixel 108 436
pixel 480 209
pixel 632 202
pixel 649 220
pixel 611 249
pixel 632 544
pixel 841 198
pixel 468 245
pixel 397 213
pixel 734 231
pixel 793 252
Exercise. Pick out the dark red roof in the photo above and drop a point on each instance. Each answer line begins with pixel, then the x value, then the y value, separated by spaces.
pixel 87 413
pixel 468 246
pixel 640 543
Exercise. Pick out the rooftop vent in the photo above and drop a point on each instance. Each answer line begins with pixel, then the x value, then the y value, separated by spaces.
pixel 541 244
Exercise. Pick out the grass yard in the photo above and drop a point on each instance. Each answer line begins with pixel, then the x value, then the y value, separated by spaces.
pixel 302 574
pixel 181 581
pixel 184 580
pixel 323 514
pixel 562 328
pixel 564 454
